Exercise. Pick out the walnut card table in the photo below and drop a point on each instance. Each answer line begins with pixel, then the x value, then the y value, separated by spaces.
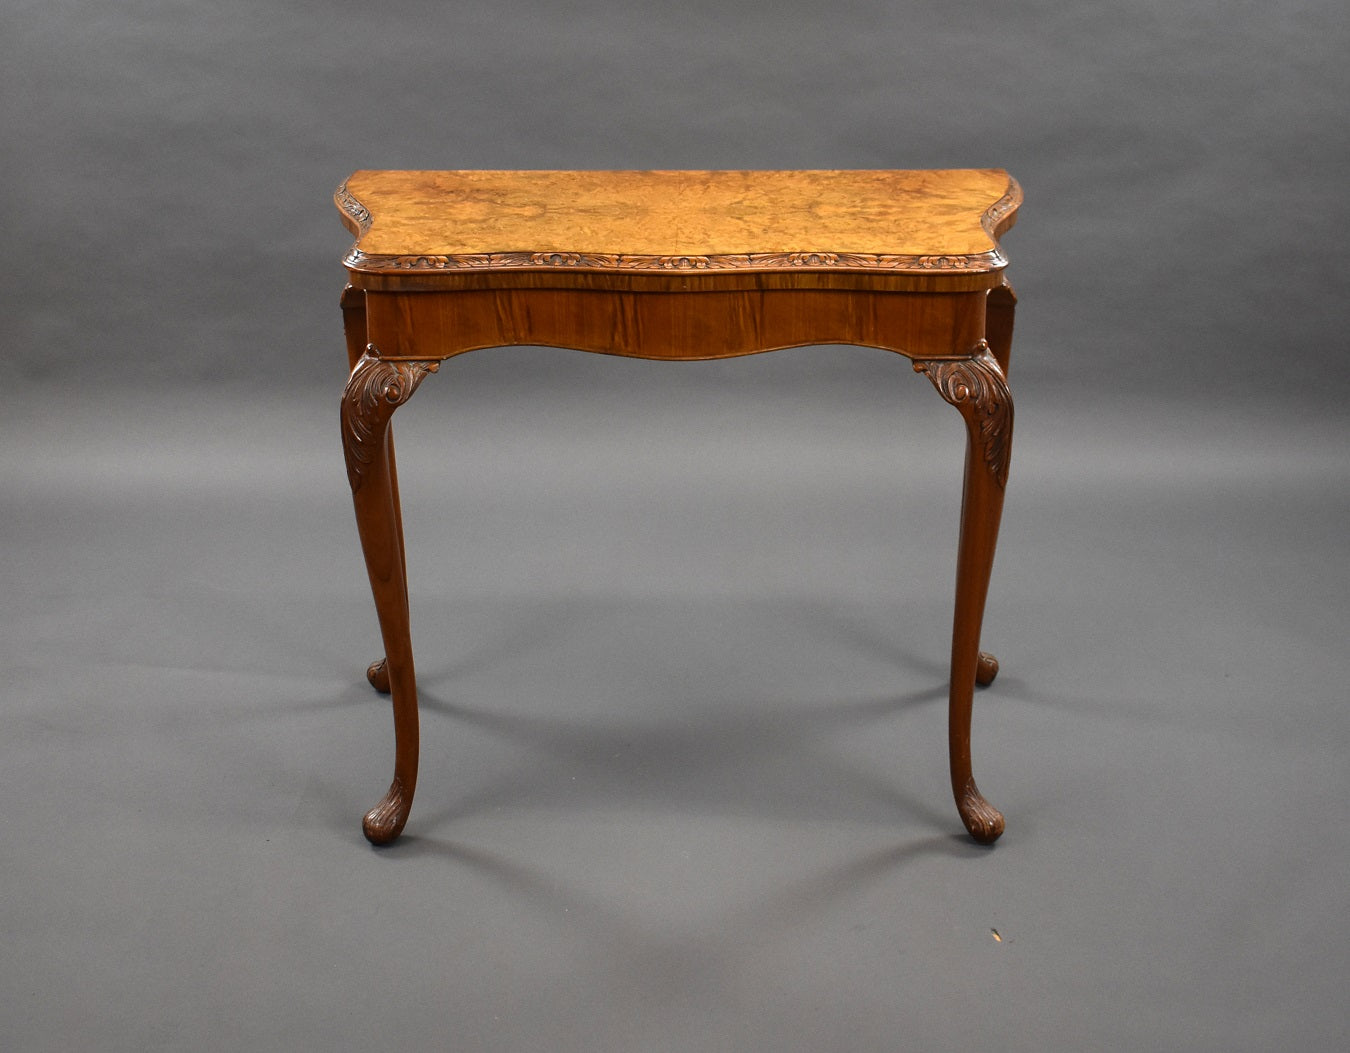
pixel 677 266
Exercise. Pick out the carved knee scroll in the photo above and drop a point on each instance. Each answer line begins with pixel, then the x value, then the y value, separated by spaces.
pixel 977 387
pixel 375 389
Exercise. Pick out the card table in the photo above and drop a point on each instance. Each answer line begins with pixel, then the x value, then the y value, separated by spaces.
pixel 676 265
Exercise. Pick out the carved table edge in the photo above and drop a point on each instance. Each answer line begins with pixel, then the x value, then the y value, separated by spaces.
pixel 995 221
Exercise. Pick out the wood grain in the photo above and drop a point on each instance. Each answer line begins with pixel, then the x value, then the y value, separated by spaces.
pixel 661 221
pixel 673 325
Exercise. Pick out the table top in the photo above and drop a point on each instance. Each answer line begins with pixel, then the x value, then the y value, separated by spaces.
pixel 929 222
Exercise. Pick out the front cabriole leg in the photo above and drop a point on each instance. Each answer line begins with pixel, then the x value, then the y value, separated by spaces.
pixel 354 323
pixel 978 388
pixel 374 390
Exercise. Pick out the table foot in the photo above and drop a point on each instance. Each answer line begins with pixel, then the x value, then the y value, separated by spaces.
pixel 378 675
pixel 986 669
pixel 982 819
pixel 385 821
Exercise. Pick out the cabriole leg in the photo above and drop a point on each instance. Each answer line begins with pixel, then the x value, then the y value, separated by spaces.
pixel 354 322
pixel 375 389
pixel 978 388
pixel 1001 308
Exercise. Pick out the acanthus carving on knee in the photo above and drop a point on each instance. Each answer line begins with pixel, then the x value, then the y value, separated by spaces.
pixel 977 387
pixel 375 389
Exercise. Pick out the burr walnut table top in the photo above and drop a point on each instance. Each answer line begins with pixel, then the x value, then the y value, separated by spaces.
pixel 676 266
pixel 907 230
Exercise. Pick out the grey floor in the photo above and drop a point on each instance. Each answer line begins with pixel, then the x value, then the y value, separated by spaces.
pixel 682 636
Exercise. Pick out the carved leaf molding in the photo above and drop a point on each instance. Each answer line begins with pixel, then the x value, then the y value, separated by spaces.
pixel 352 209
pixel 978 262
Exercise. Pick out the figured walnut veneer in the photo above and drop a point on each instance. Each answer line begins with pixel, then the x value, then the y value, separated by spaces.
pixel 905 225
pixel 676 266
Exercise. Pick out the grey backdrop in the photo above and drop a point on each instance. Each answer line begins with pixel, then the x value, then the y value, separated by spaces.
pixel 681 630
pixel 169 164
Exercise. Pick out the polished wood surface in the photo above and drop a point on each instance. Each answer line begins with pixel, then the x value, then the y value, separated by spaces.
pixel 676 266
pixel 906 226
pixel 674 325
